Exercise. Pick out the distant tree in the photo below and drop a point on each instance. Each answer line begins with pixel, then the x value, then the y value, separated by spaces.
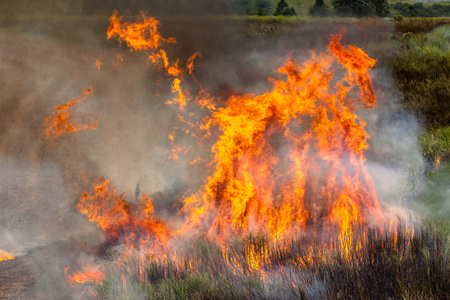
pixel 319 9
pixel 284 9
pixel 290 11
pixel 381 7
pixel 261 12
pixel 351 7
pixel 263 7
pixel 412 10
pixel 241 7
pixel 281 6
pixel 361 7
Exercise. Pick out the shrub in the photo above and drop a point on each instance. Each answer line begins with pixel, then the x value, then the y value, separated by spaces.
pixel 422 72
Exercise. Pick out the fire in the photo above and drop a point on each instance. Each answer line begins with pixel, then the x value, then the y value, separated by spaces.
pixel 142 35
pixel 61 121
pixel 116 217
pixel 287 161
pixel 4 255
pixel 292 158
pixel 98 64
pixel 88 274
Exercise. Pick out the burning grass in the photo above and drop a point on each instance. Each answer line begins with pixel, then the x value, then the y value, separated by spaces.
pixel 394 264
pixel 288 163
pixel 4 255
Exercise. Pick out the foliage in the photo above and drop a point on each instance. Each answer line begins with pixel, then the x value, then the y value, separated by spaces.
pixel 361 7
pixel 319 9
pixel 418 9
pixel 436 143
pixel 263 7
pixel 284 9
pixel 432 201
pixel 422 72
pixel 418 25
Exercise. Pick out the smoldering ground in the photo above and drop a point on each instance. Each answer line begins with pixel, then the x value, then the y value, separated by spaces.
pixel 48 61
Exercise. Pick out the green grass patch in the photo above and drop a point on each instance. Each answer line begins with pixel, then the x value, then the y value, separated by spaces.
pixel 434 200
pixel 419 25
pixel 422 71
pixel 436 143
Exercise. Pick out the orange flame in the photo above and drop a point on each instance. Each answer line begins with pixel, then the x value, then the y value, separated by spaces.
pixel 143 35
pixel 140 228
pixel 60 122
pixel 88 274
pixel 4 255
pixel 98 64
pixel 286 160
pixel 292 157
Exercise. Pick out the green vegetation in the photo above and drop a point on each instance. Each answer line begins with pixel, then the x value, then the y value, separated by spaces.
pixel 433 201
pixel 419 9
pixel 320 9
pixel 418 25
pixel 422 72
pixel 361 8
pixel 389 266
pixel 436 143
pixel 284 9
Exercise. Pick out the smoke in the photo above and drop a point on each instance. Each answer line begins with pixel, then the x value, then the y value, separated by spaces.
pixel 47 62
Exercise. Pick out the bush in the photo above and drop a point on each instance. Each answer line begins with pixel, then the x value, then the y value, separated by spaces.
pixel 419 25
pixel 319 9
pixel 361 8
pixel 436 143
pixel 284 9
pixel 422 72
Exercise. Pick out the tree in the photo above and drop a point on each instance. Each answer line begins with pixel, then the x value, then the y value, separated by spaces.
pixel 263 7
pixel 284 9
pixel 260 12
pixel 319 9
pixel 290 11
pixel 361 7
pixel 281 6
pixel 381 7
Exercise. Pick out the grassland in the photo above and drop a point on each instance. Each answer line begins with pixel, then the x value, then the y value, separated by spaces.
pixel 391 265
pixel 388 266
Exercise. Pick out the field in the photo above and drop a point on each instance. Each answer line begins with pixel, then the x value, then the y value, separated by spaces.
pixel 48 61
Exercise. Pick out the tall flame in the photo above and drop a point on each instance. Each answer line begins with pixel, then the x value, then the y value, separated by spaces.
pixel 117 218
pixel 293 157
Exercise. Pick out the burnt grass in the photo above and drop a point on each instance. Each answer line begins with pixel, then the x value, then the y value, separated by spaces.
pixel 389 265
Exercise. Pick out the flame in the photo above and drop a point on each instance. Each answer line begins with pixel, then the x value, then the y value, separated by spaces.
pixel 4 255
pixel 98 64
pixel 145 36
pixel 437 162
pixel 88 274
pixel 292 157
pixel 60 122
pixel 142 35
pixel 119 59
pixel 116 217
